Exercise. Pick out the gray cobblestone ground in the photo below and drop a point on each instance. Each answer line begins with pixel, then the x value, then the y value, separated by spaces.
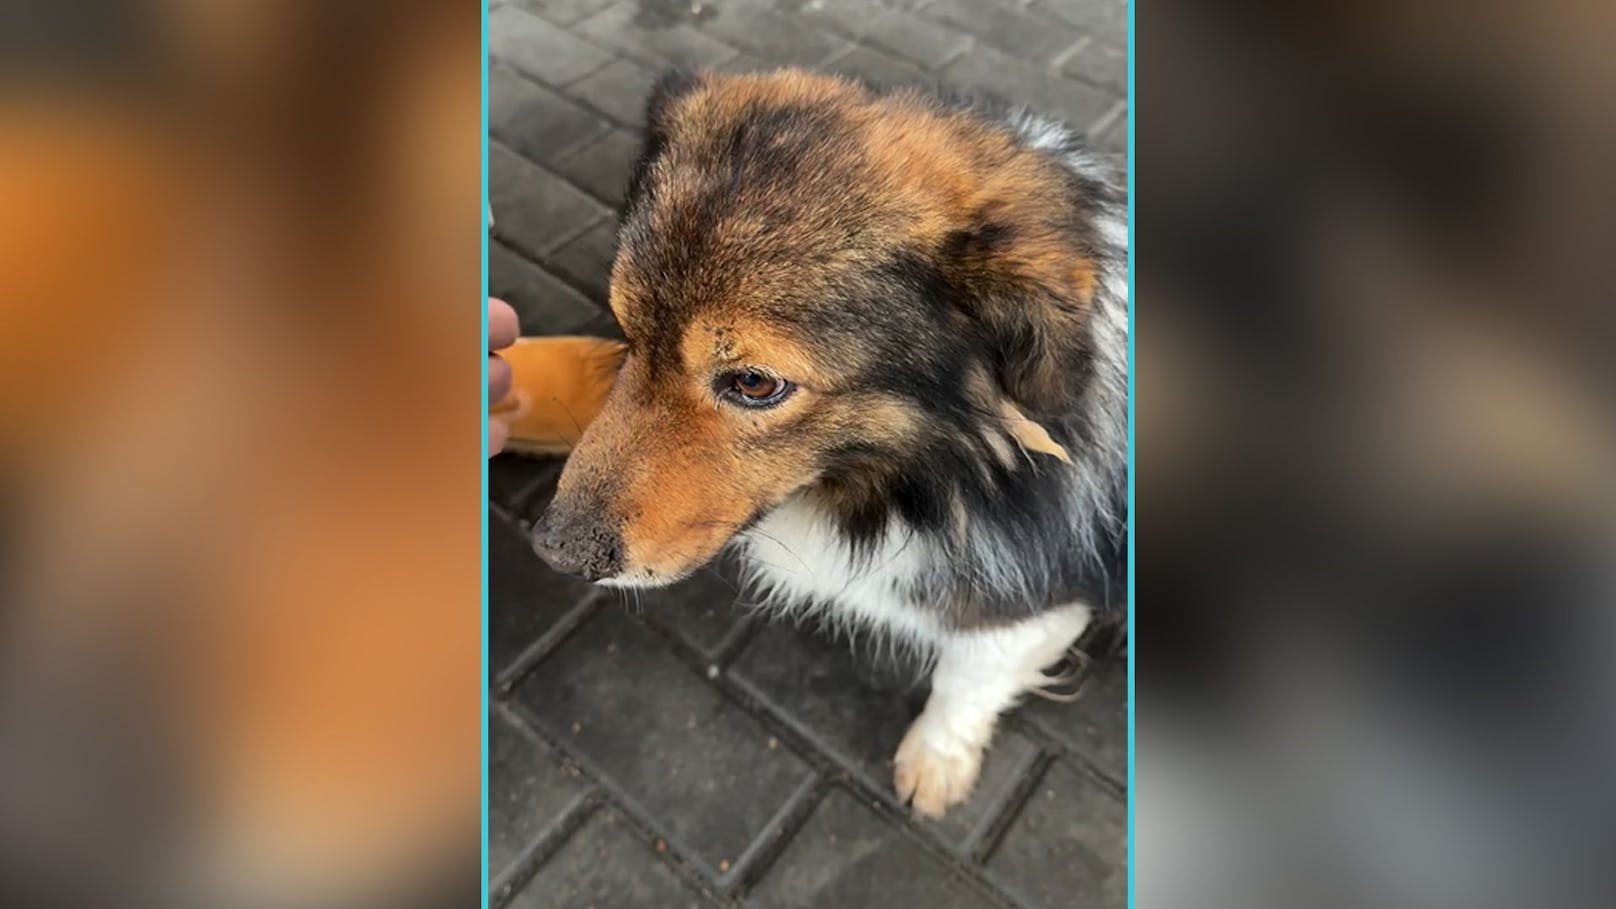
pixel 677 750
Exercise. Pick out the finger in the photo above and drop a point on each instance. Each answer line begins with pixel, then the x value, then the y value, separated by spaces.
pixel 499 379
pixel 502 325
pixel 497 432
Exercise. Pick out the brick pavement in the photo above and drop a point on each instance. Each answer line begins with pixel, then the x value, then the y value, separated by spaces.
pixel 671 748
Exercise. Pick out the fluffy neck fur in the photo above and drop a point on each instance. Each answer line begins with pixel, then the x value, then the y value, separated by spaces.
pixel 955 536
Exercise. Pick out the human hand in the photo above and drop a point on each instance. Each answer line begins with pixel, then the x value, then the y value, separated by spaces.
pixel 502 333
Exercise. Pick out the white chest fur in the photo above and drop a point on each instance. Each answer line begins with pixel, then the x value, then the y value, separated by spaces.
pixel 800 564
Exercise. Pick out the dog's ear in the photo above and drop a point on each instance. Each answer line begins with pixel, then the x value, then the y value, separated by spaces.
pixel 1031 299
pixel 669 89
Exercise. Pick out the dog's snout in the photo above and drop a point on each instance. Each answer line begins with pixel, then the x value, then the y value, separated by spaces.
pixel 582 545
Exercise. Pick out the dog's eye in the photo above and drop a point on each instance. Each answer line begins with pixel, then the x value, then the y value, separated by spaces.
pixel 755 384
pixel 754 388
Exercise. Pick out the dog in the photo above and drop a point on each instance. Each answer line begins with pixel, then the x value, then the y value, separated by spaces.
pixel 877 347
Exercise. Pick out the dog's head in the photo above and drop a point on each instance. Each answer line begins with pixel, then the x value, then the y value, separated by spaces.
pixel 815 281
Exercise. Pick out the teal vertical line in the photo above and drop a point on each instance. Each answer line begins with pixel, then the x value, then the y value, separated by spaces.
pixel 482 429
pixel 1133 510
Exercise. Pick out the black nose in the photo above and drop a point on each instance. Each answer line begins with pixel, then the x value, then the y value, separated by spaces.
pixel 580 545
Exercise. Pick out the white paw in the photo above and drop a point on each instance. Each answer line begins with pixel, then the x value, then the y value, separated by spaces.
pixel 934 768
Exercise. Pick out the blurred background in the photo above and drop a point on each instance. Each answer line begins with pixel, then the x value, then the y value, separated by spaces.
pixel 1374 477
pixel 239 375
pixel 676 749
pixel 238 280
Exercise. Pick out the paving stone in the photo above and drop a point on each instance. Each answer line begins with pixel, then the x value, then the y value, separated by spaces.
pixel 876 68
pixel 602 167
pixel 534 209
pixel 513 479
pixel 905 5
pixel 1114 142
pixel 1107 637
pixel 525 598
pixel 855 704
pixel 1096 724
pixel 660 734
pixel 528 791
pixel 919 42
pixel 544 305
pixel 1070 839
pixel 600 325
pixel 1028 36
pixel 619 89
pixel 534 120
pixel 627 27
pixel 1098 63
pixel 1106 20
pixel 563 12
pixel 587 260
pixel 1103 132
pixel 609 865
pixel 772 36
pixel 847 855
pixel 603 326
pixel 1115 138
pixel 539 48
pixel 985 69
pixel 744 63
pixel 848 18
pixel 857 708
pixel 702 610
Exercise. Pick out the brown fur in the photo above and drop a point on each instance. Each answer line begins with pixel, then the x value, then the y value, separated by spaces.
pixel 913 174
pixel 706 288
pixel 558 384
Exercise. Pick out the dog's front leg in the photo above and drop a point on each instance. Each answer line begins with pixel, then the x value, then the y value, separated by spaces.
pixel 979 674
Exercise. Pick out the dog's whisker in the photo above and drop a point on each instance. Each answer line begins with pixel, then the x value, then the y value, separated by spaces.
pixel 715 573
pixel 778 542
pixel 574 418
